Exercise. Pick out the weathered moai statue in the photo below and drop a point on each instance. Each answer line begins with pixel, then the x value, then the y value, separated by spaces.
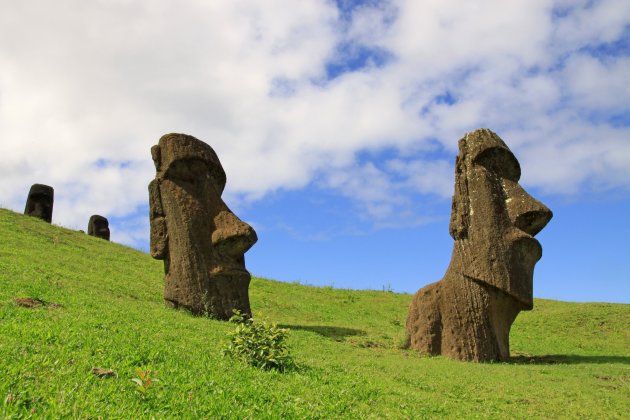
pixel 200 240
pixel 98 226
pixel 40 202
pixel 468 314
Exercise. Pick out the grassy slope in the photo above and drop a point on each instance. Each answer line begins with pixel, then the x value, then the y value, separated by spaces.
pixel 571 359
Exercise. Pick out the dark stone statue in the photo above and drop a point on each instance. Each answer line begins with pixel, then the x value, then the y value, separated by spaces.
pixel 200 240
pixel 40 202
pixel 468 314
pixel 98 226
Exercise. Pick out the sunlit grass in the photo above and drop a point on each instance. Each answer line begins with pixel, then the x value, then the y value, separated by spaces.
pixel 571 360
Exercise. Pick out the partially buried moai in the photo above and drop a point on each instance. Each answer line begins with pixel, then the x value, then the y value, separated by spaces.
pixel 200 240
pixel 468 314
pixel 39 202
pixel 98 226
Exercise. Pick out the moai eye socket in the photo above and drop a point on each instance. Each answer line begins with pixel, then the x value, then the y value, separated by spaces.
pixel 500 162
pixel 189 170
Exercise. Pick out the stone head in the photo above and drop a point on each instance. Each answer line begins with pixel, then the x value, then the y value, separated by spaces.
pixel 98 226
pixel 192 228
pixel 494 220
pixel 40 202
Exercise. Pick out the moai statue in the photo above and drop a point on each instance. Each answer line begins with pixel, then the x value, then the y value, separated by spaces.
pixel 40 202
pixel 98 226
pixel 200 240
pixel 468 314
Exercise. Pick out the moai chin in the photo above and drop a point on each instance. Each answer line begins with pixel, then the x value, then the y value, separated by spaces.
pixel 468 314
pixel 200 240
pixel 39 202
pixel 98 226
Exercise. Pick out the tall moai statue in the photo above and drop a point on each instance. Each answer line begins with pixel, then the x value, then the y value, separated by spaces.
pixel 200 240
pixel 468 314
pixel 98 226
pixel 39 202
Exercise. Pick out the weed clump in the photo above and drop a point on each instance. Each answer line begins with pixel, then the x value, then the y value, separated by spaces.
pixel 258 344
pixel 144 381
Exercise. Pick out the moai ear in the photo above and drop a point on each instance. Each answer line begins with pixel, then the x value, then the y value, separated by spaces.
pixel 460 209
pixel 156 155
pixel 157 221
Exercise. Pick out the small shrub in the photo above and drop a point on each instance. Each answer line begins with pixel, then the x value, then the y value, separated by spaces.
pixel 260 345
pixel 144 381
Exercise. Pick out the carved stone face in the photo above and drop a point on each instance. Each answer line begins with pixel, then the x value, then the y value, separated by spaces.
pixel 98 226
pixel 494 219
pixel 40 202
pixel 202 242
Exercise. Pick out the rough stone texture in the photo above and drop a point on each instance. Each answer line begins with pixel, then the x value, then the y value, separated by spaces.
pixel 468 314
pixel 39 202
pixel 98 226
pixel 200 240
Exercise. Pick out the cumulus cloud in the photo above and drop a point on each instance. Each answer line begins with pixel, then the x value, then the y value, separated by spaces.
pixel 289 92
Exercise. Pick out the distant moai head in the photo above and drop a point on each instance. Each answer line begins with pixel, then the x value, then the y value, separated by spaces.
pixel 200 240
pixel 40 202
pixel 98 226
pixel 494 220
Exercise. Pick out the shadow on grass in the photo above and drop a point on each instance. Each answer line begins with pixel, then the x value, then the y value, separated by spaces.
pixel 569 359
pixel 336 333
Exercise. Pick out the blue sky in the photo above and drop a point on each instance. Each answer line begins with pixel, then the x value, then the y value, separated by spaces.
pixel 336 121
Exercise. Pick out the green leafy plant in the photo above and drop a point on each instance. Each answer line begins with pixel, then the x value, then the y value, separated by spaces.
pixel 143 380
pixel 259 344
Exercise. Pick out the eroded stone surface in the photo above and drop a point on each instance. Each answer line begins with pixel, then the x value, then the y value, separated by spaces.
pixel 39 202
pixel 98 226
pixel 468 314
pixel 200 240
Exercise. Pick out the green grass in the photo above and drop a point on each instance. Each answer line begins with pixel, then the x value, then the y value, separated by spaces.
pixel 571 359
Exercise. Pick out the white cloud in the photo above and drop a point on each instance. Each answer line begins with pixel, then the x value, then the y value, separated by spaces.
pixel 84 82
pixel 386 194
pixel 425 177
pixel 587 22
pixel 598 86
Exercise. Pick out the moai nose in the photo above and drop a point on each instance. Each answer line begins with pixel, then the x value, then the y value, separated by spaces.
pixel 232 236
pixel 527 213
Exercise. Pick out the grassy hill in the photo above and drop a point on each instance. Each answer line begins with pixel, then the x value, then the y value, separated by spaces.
pixel 104 309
